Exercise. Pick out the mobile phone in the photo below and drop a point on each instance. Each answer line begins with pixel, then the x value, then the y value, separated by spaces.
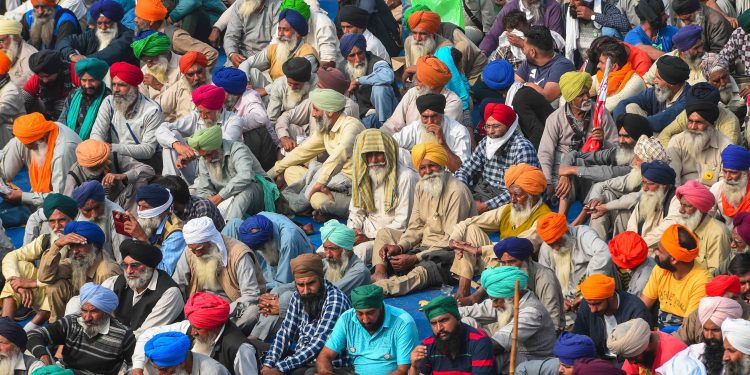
pixel 120 218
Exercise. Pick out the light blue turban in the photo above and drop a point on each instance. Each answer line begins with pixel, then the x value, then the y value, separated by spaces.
pixel 341 235
pixel 99 296
pixel 499 282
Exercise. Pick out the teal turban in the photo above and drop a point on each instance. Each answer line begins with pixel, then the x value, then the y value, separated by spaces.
pixel 52 370
pixel 327 100
pixel 442 305
pixel 94 67
pixel 500 282
pixel 367 297
pixel 339 234
pixel 64 203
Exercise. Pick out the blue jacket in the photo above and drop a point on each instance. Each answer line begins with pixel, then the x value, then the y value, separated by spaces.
pixel 66 23
pixel 659 116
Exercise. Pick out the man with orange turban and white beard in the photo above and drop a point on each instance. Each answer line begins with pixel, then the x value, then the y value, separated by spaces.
pixel 421 256
pixel 175 100
pixel 46 149
pixel 424 40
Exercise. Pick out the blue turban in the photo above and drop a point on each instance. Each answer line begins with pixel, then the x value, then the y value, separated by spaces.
pixel 99 296
pixel 108 8
pixel 500 282
pixel 88 190
pixel 339 234
pixel 570 347
pixel 351 40
pixel 167 349
pixel 686 38
pixel 519 248
pixel 295 19
pixel 498 75
pixel 736 158
pixel 13 333
pixel 255 231
pixel 659 172
pixel 232 80
pixel 88 230
pixel 155 195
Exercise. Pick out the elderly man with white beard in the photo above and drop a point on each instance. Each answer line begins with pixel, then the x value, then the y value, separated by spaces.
pixel 17 50
pixel 424 39
pixel 287 91
pixel 13 341
pixel 159 64
pixel 47 23
pixel 175 100
pixel 323 36
pixel 731 192
pixel 657 191
pixel 736 335
pixel 715 69
pixel 354 20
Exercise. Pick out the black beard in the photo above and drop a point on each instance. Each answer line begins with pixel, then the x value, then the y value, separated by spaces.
pixel 648 359
pixel 713 356
pixel 454 345
pixel 665 264
pixel 312 303
pixel 374 327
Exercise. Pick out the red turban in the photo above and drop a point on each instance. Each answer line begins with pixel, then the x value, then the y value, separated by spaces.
pixel 551 227
pixel 209 97
pixel 425 20
pixel 722 284
pixel 500 112
pixel 697 195
pixel 432 72
pixel 191 58
pixel 206 310
pixel 129 73
pixel 628 250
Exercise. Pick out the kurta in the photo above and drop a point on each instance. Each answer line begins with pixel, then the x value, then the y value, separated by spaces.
pixel 456 137
pixel 19 71
pixel 11 106
pixel 406 111
pixel 176 101
pixel 248 35
pixel 536 331
pixel 238 172
pixel 277 93
pixel 133 135
pixel 638 277
pixel 295 123
pixel 706 168
pixel 266 59
pixel 186 126
pixel 173 77
pixel 727 123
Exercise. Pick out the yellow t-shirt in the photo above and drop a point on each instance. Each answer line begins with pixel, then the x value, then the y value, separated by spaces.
pixel 678 297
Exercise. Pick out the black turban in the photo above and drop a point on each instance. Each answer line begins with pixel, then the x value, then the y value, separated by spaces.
pixel 435 102
pixel 682 7
pixel 708 110
pixel 704 91
pixel 298 69
pixel 140 251
pixel 13 333
pixel 635 125
pixel 650 10
pixel 354 15
pixel 672 69
pixel 46 61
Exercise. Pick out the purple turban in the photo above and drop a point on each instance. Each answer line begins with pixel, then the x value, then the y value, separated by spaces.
pixel 686 38
pixel 742 224
pixel 351 40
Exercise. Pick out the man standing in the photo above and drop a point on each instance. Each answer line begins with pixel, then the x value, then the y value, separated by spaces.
pixel 82 105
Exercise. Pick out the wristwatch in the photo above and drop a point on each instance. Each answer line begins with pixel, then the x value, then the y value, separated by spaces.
pixel 593 17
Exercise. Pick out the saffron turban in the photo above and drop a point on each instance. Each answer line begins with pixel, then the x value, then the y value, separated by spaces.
pixel 92 66
pixel 718 309
pixel 207 139
pixel 682 7
pixel 167 349
pixel 737 332
pixel 722 284
pixel 551 227
pixel 697 195
pixel 46 61
pixel 150 43
pixel 107 8
pixel 13 333
pixel 150 10
pixel 128 73
pixel 705 108
pixel 671 243
pixel 191 58
pixel 498 75
pixel 598 287
pixel 430 151
pixel 440 306
pixel 255 231
pixel 595 366
pixel 296 20
pixel 430 101
pixel 425 20
pixel 500 282
pixel 351 40
pixel 339 234
pixel 742 224
pixel 354 16
pixel 9 26
pixel 628 250
pixel 97 295
pixel 92 189
pixel 367 297
pixel 570 346
pixel 529 178
pixel 327 100
pixel 141 251
pixel 231 79
pixel 500 112
pixel 650 149
pixel 334 79
pixel 432 72
pixel 206 310
pixel 307 265
pixel 298 5
pixel 635 125
pixel 209 97
pixel 572 83
pixel 744 21
pixel 298 69
pixel 32 127
pixel 202 230
pixel 60 202
pixel 629 339
pixel 736 158
pixel 672 69
pixel 156 196
pixel 659 172
pixel 91 152
pixel 4 63
pixel 686 37
pixel 52 370
pixel 517 247
pixel 682 364
pixel 88 230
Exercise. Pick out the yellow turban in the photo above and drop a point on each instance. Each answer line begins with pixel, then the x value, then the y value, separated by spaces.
pixel 430 151
pixel 9 26
pixel 571 84
pixel 531 179
pixel 598 287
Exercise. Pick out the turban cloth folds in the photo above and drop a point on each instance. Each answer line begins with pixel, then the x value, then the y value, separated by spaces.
pixel 500 112
pixel 299 5
pixel 338 234
pixel 432 72
pixel 595 366
pixel 140 251
pixel 628 250
pixel 167 349
pixel 98 296
pixel 573 83
pixel 551 227
pixel 629 339
pixel 687 37
pixel 635 125
pixel 718 309
pixel 441 305
pixel 327 100
pixel 722 284
pixel 232 80
pixel 191 58
pixel 4 63
pixel 202 230
pixel 92 189
pixel 334 79
pixel 150 10
pixel 650 10
pixel 88 230
pixel 13 333
pixel 430 101
pixel 671 243
pixel 295 20
pixel 744 21
pixel 206 310
pixel 92 66
pixel 737 332
pixel 659 172
pixel 31 128
pixel 57 201
pixel 351 40
pixel 307 265
pixel 150 43
pixel 682 364
pixel 597 287
pixel 107 8
pixel 46 61
pixel 354 16
pixel 682 7
pixel 498 75
pixel 650 150
pixel 92 153
pixel 742 225
pixel 298 69
pixel 736 158
pixel 424 20
pixel 128 73
pixel 570 347
pixel 672 69
pixel 374 140
pixel 519 248
pixel 207 139
pixel 367 297
pixel 156 196
pixel 255 231
pixel 712 62
pixel 430 151
pixel 529 178
pixel 500 282
pixel 9 26
pixel 209 97
pixel 697 195
pixel 703 91
pixel 706 109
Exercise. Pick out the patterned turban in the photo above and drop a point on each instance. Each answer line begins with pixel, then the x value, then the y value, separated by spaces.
pixel 712 62
pixel 650 149
pixel 374 140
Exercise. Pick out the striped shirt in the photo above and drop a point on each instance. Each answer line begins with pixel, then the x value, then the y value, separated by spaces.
pixel 477 358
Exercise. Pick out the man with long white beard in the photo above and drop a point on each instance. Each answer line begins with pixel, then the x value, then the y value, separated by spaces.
pixel 47 23
pixel 689 47
pixel 715 69
pixel 175 100
pixel 424 39
pixel 94 207
pixel 169 353
pixel 17 50
pixel 716 28
pixel 159 65
pixel 13 342
pixel 249 28
pixel 657 191
pixel 421 256
pixel 736 334
pixel 102 344
pixel 287 91
pixel 732 194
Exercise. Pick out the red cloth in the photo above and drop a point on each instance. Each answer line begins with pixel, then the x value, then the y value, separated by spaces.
pixel 191 58
pixel 638 59
pixel 722 284
pixel 668 347
pixel 500 112
pixel 206 310
pixel 209 97
pixel 628 250
pixel 697 195
pixel 129 73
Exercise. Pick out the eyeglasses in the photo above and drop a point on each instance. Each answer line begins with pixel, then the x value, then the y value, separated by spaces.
pixel 134 265
pixel 493 126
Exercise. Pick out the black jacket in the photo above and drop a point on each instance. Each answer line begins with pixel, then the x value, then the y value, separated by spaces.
pixel 88 45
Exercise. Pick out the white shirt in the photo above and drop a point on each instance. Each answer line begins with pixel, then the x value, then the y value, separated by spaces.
pixel 376 47
pixel 166 133
pixel 456 137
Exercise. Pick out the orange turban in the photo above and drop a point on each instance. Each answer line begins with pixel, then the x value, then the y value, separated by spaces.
pixel 529 178
pixel 29 129
pixel 50 3
pixel 430 151
pixel 191 58
pixel 425 20
pixel 150 10
pixel 92 152
pixel 551 227
pixel 4 63
pixel 628 250
pixel 598 287
pixel 432 72
pixel 671 242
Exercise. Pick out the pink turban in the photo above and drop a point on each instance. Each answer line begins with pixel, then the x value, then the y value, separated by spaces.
pixel 718 309
pixel 209 97
pixel 697 195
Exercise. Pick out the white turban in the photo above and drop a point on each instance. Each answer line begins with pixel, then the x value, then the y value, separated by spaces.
pixel 9 26
pixel 682 364
pixel 629 339
pixel 201 230
pixel 737 332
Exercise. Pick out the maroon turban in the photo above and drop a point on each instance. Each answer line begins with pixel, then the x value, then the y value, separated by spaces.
pixel 742 224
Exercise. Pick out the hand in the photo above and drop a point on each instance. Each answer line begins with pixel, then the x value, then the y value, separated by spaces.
pixel 597 134
pixel 216 199
pixel 19 283
pixel 551 190
pixel 280 182
pixel 515 40
pixel 389 250
pixel 184 150
pixel 214 39
pixel 131 226
pixel 45 359
pixel 567 170
pixel 27 297
pixel 418 355
pixel 150 80
pixel 436 129
pixel 745 91
pixel 14 196
pixel 359 237
pixel 137 371
pixel 352 86
pixel 70 238
pixel 261 91
pixel 404 262
pixel 74 58
pixel 269 306
pixel 287 143
pixel 327 64
pixel 563 187
pixel 734 22
pixel 319 188
pixel 481 207
pixel 111 178
pixel 270 371
pixel 599 211
pixel 584 13
pixel 237 59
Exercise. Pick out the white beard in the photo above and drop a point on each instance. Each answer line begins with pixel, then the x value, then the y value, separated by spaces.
pixel 734 191
pixel 248 7
pixel 698 142
pixel 377 174
pixel 663 94
pixel 562 260
pixel 355 71
pixel 80 269
pixel 149 225
pixel 38 155
pixel 633 180
pixel 322 125
pixel 205 346
pixel 691 221
pixel 8 361
pixel 93 330
pixel 427 137
pixel 650 202
pixel 294 97
pixel 13 51
pixel 284 48
pixel 424 48
pixel 159 69
pixel 505 315
pixel 519 214
pixel 270 252
pixel 123 103
pixel 207 268
pixel 216 170
pixel 141 280
pixel 432 184
pixel 726 93
pixel 337 269
pixel 624 155
pixel 422 90
pixel 106 36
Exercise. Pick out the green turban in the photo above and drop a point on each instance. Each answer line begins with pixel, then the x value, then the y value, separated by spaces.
pixel 64 203
pixel 500 282
pixel 153 44
pixel 744 21
pixel 367 297
pixel 206 139
pixel 341 235
pixel 327 100
pixel 52 370
pixel 94 67
pixel 442 305
pixel 571 84
pixel 298 5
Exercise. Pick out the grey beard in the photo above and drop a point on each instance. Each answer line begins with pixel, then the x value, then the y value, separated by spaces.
pixel 123 102
pixel 692 61
pixel 13 51
pixel 624 155
pixel 726 94
pixel 42 31
pixel 424 48
pixel 95 329
pixel 505 315
pixel 141 280
pixel 294 97
pixel 650 202
pixel 149 225
pixel 8 360
pixel 432 184
pixel 337 267
pixel 285 47
pixel 699 141
pixel 248 7
pixel 734 191
pixel 270 253
pixel 662 94
pixel 207 268
pixel 204 345
pixel 80 269
pixel 216 170
pixel 159 69
pixel 520 213
pixel 323 124
pixel 377 174
pixel 355 71
pixel 741 367
pixel 231 101
pixel 691 221
pixel 633 180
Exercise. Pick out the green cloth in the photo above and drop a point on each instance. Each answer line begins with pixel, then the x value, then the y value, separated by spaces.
pixel 206 139
pixel 500 282
pixel 442 305
pixel 298 5
pixel 327 100
pixel 153 45
pixel 270 193
pixel 64 203
pixel 449 10
pixel 96 68
pixel 339 234
pixel 52 370
pixel 75 107
pixel 367 297
pixel 744 21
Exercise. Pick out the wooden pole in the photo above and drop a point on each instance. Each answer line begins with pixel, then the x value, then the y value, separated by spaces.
pixel 514 333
